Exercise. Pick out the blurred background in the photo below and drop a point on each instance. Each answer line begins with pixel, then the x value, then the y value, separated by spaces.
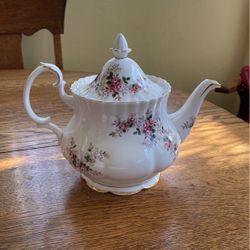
pixel 181 41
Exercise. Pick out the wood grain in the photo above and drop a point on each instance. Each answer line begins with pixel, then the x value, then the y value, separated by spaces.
pixel 27 17
pixel 201 202
pixel 11 51
pixel 58 50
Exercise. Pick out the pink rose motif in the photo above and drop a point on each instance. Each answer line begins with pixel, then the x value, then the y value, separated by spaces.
pixel 148 126
pixel 87 160
pixel 124 126
pixel 135 88
pixel 115 85
pixel 151 128
pixel 167 145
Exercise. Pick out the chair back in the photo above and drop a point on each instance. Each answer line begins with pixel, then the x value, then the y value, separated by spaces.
pixel 19 17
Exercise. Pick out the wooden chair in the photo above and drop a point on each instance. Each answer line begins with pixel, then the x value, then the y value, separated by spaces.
pixel 19 17
pixel 241 85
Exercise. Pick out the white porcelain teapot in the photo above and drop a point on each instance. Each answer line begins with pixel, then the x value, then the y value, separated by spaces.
pixel 121 135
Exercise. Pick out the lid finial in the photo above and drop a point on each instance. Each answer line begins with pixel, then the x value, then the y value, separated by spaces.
pixel 120 47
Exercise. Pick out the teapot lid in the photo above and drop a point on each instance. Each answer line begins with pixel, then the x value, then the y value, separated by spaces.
pixel 121 79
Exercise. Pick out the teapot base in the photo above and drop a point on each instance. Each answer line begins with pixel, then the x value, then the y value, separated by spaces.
pixel 124 190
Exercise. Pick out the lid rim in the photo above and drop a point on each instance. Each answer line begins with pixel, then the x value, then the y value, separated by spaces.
pixel 166 90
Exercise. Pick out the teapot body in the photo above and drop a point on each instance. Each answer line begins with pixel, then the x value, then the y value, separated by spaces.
pixel 120 146
pixel 120 136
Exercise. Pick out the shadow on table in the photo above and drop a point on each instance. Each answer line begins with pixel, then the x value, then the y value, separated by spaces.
pixel 101 219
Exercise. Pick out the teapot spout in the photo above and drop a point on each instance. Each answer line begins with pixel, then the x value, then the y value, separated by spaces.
pixel 184 118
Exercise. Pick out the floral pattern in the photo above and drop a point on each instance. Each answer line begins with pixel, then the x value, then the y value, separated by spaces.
pixel 114 85
pixel 189 124
pixel 147 126
pixel 87 160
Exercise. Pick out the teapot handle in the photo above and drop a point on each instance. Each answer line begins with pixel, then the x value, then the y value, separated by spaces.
pixel 45 122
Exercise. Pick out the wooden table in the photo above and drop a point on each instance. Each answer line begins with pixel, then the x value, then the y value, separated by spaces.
pixel 201 202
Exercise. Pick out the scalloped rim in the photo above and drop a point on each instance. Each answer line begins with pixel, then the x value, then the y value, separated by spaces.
pixel 125 190
pixel 157 80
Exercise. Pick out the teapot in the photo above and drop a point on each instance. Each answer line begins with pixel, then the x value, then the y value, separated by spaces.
pixel 121 136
